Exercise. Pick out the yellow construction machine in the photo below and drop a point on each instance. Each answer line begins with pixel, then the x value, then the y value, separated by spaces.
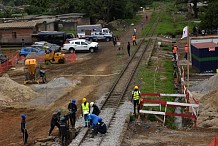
pixel 54 57
pixel 32 72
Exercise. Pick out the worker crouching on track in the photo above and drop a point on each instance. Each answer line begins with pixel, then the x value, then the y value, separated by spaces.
pixel 97 125
pixel 136 94
pixel 63 130
pixel 95 109
pixel 85 108
pixel 23 128
pixel 55 121
pixel 72 112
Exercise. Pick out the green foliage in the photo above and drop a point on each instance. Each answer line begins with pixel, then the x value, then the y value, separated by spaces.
pixel 106 10
pixel 210 19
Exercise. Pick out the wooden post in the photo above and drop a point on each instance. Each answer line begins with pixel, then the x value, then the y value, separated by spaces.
pixel 188 58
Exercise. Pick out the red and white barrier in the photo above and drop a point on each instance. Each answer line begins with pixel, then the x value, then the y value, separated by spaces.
pixel 161 103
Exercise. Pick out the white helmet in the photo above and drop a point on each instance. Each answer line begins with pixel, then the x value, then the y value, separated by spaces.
pixel 91 104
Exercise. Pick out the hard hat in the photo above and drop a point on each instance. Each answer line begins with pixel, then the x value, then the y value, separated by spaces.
pixel 136 87
pixel 74 101
pixel 91 104
pixel 23 115
pixel 59 111
pixel 84 99
pixel 62 118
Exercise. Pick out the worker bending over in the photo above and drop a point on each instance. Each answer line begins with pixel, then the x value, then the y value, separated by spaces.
pixel 55 121
pixel 97 125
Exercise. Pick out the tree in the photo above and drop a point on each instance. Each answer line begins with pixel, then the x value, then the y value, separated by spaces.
pixel 210 19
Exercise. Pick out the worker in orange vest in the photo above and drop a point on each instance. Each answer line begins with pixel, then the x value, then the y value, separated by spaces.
pixel 134 40
pixel 186 51
pixel 175 51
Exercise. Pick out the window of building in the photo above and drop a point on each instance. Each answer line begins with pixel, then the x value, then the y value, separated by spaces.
pixel 14 35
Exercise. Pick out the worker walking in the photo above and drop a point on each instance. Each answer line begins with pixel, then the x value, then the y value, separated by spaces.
pixel 85 111
pixel 136 94
pixel 95 109
pixel 128 48
pixel 97 125
pixel 63 130
pixel 175 52
pixel 55 121
pixel 114 41
pixel 72 112
pixel 23 129
pixel 186 51
pixel 134 31
pixel 134 40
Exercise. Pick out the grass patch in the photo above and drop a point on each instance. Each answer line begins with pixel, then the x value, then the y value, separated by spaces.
pixel 137 19
pixel 159 82
pixel 171 23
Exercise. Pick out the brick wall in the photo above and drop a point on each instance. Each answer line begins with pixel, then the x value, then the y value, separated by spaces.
pixel 6 36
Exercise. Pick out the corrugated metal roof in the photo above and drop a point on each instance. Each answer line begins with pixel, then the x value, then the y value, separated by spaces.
pixel 29 24
pixel 204 45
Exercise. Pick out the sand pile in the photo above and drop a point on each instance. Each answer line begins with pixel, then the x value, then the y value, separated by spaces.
pixel 11 91
pixel 206 86
pixel 208 110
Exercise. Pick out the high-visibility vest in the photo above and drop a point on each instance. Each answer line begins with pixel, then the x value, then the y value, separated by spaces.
pixel 136 95
pixel 85 108
pixel 174 49
pixel 186 49
pixel 133 38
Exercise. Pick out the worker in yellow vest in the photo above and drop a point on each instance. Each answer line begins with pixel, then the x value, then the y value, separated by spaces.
pixel 136 94
pixel 85 108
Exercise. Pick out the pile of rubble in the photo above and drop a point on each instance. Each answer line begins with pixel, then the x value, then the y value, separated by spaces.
pixel 208 110
pixel 207 93
pixel 11 91
pixel 206 86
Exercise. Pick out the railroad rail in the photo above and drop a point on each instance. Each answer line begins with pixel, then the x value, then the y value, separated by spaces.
pixel 118 95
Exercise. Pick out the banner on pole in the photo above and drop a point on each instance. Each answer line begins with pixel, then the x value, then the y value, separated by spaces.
pixel 185 32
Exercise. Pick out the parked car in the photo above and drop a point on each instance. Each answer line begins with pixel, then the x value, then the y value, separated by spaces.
pixel 3 58
pixel 50 46
pixel 80 45
pixel 26 50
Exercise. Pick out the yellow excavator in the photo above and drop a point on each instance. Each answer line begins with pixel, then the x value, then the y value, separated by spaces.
pixel 32 72
pixel 54 57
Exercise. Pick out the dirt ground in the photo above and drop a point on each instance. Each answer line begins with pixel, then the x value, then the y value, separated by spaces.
pixel 95 73
pixel 145 133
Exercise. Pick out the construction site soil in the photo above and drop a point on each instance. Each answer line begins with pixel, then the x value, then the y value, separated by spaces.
pixel 90 76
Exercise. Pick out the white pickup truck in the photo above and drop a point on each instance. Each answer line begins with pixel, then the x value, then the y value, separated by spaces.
pixel 94 32
pixel 80 45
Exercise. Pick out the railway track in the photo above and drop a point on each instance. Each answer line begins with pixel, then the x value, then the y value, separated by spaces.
pixel 111 109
